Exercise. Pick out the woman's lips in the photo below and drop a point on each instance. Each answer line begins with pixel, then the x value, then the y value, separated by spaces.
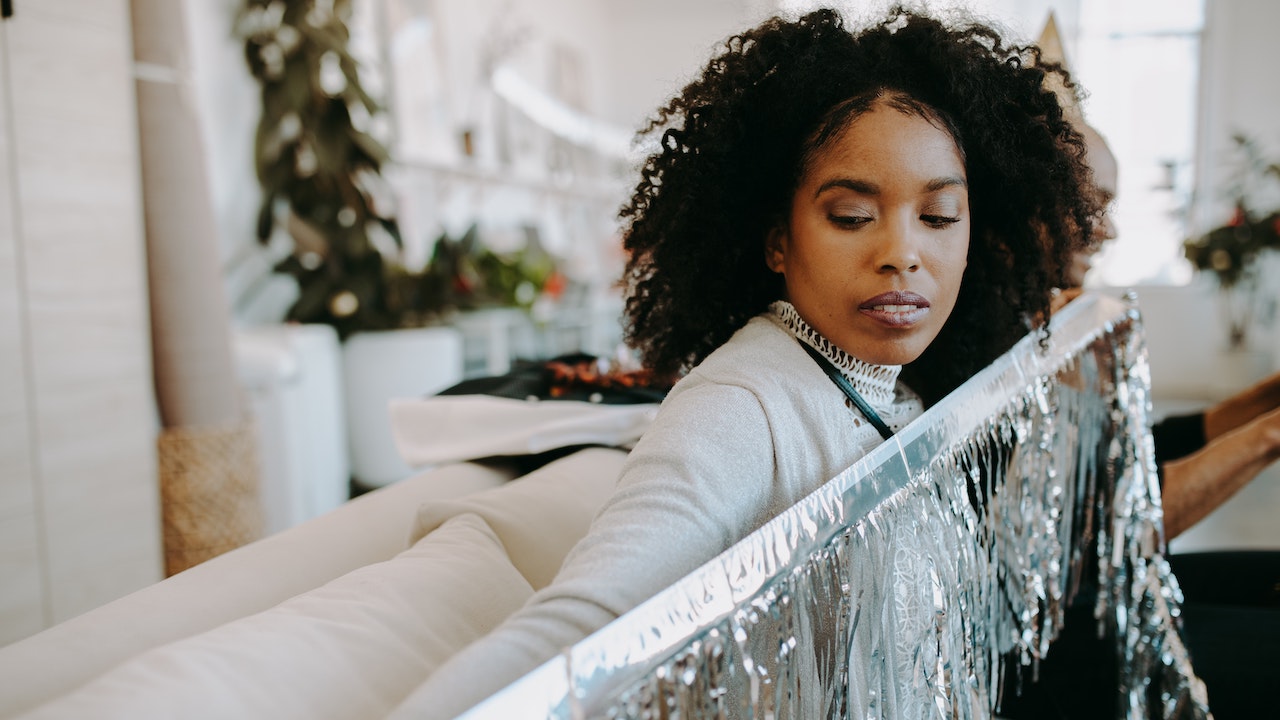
pixel 896 309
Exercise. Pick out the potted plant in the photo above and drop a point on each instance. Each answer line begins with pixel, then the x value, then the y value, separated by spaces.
pixel 320 171
pixel 1231 252
pixel 318 164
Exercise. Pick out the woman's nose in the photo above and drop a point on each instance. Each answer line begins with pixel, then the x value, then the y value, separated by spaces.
pixel 1104 228
pixel 899 249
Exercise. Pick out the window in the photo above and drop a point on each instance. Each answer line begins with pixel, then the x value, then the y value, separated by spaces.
pixel 1139 60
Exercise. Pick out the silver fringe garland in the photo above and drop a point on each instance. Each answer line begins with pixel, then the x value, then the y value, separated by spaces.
pixel 902 587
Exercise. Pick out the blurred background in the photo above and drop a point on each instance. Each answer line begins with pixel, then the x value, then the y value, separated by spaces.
pixel 231 231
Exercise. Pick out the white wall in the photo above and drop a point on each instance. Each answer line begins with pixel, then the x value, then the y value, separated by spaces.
pixel 470 26
pixel 656 48
pixel 79 505
pixel 1239 91
pixel 229 102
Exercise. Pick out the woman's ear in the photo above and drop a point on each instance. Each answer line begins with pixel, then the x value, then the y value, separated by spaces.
pixel 775 249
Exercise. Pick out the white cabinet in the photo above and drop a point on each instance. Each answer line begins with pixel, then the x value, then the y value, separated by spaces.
pixel 79 515
pixel 20 578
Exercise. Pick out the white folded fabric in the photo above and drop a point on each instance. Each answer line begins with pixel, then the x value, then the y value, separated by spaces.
pixel 442 429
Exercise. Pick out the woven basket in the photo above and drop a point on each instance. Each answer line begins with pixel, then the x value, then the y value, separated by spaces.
pixel 208 492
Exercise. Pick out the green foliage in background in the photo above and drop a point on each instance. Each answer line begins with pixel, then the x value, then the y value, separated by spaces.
pixel 1230 251
pixel 465 275
pixel 314 154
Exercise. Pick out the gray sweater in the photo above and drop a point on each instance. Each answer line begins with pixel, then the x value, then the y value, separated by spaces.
pixel 746 434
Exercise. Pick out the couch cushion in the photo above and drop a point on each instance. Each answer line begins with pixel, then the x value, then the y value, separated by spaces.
pixel 539 517
pixel 371 528
pixel 353 648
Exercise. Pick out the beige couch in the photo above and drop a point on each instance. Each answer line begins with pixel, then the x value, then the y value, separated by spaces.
pixel 341 617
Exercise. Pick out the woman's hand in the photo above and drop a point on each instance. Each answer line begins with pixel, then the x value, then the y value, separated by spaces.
pixel 1197 484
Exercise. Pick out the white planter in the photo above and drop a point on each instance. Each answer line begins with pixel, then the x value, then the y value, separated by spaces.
pixel 380 366
pixel 292 376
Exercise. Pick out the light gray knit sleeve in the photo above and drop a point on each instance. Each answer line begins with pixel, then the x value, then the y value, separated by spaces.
pixel 693 486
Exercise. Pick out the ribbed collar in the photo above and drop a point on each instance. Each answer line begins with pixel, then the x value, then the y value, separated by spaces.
pixel 874 382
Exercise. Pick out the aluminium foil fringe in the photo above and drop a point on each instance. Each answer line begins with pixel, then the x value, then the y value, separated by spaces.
pixel 903 587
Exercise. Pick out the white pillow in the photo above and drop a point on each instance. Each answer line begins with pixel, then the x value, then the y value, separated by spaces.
pixel 539 517
pixel 353 648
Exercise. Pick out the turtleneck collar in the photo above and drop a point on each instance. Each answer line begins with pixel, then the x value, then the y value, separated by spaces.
pixel 874 382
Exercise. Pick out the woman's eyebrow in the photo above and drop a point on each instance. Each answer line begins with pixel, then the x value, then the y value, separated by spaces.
pixel 859 186
pixel 945 182
pixel 865 187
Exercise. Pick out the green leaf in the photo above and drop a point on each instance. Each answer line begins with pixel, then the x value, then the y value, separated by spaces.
pixel 393 229
pixel 373 150
pixel 266 218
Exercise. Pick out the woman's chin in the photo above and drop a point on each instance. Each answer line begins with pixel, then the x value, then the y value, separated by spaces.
pixel 901 350
pixel 889 356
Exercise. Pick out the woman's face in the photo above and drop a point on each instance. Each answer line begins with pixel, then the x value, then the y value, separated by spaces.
pixel 1105 180
pixel 875 245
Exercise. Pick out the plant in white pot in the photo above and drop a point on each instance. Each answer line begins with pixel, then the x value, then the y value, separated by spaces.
pixel 316 158
pixel 319 166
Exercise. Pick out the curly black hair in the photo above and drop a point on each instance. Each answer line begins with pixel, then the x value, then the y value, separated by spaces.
pixel 736 141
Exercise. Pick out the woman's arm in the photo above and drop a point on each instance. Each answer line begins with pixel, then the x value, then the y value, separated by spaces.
pixel 1198 483
pixel 692 487
pixel 1242 408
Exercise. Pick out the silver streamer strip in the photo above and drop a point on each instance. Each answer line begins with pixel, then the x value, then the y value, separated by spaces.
pixel 902 588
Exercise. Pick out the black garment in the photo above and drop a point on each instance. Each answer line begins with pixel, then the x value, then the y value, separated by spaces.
pixel 1230 626
pixel 1178 436
pixel 1077 680
pixel 538 379
pixel 1231 616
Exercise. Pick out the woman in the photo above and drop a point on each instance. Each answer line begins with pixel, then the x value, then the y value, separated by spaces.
pixel 826 205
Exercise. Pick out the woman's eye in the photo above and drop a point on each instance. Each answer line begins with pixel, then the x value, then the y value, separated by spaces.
pixel 939 221
pixel 849 221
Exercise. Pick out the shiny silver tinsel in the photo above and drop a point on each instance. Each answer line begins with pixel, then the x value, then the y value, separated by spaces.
pixel 901 588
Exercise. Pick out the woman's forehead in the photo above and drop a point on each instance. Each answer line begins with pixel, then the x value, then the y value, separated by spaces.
pixel 888 139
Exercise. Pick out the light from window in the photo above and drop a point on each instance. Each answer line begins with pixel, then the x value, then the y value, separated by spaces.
pixel 1139 61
